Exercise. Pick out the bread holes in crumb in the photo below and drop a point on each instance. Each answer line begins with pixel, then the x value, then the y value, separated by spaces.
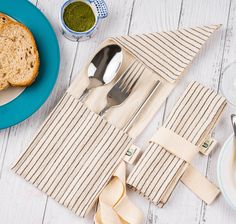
pixel 3 20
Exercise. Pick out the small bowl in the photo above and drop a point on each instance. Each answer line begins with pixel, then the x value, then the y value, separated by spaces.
pixel 100 11
pixel 224 173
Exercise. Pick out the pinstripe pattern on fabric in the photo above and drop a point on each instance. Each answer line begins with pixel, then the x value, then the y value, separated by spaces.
pixel 73 156
pixel 193 118
pixel 168 53
pixel 76 152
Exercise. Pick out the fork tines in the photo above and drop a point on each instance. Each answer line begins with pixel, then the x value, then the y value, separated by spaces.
pixel 131 76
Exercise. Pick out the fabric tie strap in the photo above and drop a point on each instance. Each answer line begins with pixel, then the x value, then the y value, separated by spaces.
pixel 199 184
pixel 175 144
pixel 114 205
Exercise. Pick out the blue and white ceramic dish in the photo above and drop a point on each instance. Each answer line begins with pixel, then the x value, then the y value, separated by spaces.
pixel 100 11
pixel 226 171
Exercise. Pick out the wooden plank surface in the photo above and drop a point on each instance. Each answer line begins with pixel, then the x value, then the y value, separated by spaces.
pixel 20 203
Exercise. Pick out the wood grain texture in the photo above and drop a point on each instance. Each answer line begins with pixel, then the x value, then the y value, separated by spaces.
pixel 20 203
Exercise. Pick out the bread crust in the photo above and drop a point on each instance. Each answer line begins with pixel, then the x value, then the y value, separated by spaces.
pixel 24 83
pixel 7 19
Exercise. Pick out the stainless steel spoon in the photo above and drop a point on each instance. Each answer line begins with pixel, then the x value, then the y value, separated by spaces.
pixel 233 120
pixel 103 67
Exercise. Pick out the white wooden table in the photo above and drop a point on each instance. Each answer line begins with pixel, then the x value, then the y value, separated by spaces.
pixel 21 203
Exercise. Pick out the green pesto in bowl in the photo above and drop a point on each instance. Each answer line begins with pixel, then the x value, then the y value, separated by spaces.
pixel 79 16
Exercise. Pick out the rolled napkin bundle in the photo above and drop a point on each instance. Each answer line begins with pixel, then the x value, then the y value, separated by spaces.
pixel 175 145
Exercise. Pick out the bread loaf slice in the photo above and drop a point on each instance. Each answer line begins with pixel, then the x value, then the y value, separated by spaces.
pixel 19 58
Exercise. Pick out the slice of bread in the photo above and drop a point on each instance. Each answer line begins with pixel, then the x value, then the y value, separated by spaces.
pixel 19 58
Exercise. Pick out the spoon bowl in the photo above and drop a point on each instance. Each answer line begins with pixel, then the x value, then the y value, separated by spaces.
pixel 103 67
pixel 233 120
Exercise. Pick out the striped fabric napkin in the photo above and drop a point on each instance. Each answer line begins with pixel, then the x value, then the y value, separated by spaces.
pixel 192 119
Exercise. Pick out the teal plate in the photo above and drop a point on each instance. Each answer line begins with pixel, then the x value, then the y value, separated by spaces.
pixel 30 100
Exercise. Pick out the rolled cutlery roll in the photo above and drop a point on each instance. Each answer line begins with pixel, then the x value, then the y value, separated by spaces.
pixel 76 151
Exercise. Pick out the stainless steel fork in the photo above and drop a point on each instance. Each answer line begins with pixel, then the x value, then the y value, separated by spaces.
pixel 122 89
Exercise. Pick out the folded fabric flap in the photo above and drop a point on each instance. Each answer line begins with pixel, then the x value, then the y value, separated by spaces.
pixel 199 184
pixel 168 54
pixel 73 156
pixel 175 144
pixel 172 149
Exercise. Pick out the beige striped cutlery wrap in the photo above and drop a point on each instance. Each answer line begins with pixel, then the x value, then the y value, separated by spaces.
pixel 76 151
pixel 175 145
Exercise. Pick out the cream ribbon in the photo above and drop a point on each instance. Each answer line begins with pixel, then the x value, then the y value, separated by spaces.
pixel 178 146
pixel 200 185
pixel 114 206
